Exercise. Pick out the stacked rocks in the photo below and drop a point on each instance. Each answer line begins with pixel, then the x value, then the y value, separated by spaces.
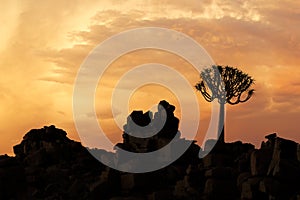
pixel 275 171
pixel 143 133
pixel 48 165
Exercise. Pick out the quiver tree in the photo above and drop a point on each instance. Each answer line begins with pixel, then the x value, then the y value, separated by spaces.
pixel 227 85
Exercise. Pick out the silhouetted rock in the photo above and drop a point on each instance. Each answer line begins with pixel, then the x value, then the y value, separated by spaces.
pixel 271 137
pixel 298 152
pixel 12 179
pixel 48 165
pixel 250 189
pixel 163 127
pixel 54 166
pixel 260 161
pixel 220 189
pixel 284 162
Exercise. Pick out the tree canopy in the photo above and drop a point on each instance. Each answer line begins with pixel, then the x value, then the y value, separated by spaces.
pixel 227 84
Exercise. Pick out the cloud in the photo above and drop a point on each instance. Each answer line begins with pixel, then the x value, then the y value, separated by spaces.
pixel 28 102
pixel 250 38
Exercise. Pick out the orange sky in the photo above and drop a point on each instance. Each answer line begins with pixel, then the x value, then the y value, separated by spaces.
pixel 43 44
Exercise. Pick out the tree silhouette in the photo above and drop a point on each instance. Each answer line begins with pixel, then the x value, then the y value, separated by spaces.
pixel 227 85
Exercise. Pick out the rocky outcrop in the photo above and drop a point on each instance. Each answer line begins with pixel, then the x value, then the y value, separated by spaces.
pixel 275 171
pixel 48 165
pixel 12 179
pixel 162 128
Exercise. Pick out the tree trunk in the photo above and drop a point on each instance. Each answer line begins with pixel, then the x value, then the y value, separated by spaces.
pixel 221 123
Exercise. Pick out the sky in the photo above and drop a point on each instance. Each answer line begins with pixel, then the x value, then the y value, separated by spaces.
pixel 44 43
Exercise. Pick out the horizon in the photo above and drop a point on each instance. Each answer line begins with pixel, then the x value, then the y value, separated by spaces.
pixel 43 45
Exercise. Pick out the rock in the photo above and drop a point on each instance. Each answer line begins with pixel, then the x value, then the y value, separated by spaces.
pixel 271 136
pixel 209 145
pixel 172 174
pixel 250 189
pixel 162 194
pixel 48 165
pixel 47 138
pixel 139 118
pixel 220 189
pixel 242 177
pixel 183 190
pixel 180 190
pixel 269 186
pixel 19 150
pixel 260 160
pixel 128 181
pixel 270 142
pixel 244 162
pixel 142 182
pixel 284 162
pixel 77 189
pixel 12 179
pixel 281 190
pixel 286 170
pixel 37 158
pixel 216 160
pixel 164 127
pixel 298 152
pixel 99 190
pixel 220 173
pixel 190 185
pixel 195 177
pixel 286 149
pixel 128 198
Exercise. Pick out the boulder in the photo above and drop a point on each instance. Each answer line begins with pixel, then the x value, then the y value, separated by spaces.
pixel 269 186
pixel 271 137
pixel 217 160
pixel 286 170
pixel 244 162
pixel 220 189
pixel 298 152
pixel 242 177
pixel 12 179
pixel 260 161
pixel 209 145
pixel 285 162
pixel 250 189
pixel 161 194
pixel 180 190
pixel 48 165
pixel 285 149
pixel 129 181
pixel 162 128
pixel 220 173
pixel 142 182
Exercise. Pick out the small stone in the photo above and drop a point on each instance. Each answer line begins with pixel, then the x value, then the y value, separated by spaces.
pixel 271 136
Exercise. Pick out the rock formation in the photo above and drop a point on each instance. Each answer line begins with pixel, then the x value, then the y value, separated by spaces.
pixel 163 127
pixel 48 165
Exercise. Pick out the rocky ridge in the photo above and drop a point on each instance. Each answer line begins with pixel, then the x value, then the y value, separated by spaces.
pixel 48 165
